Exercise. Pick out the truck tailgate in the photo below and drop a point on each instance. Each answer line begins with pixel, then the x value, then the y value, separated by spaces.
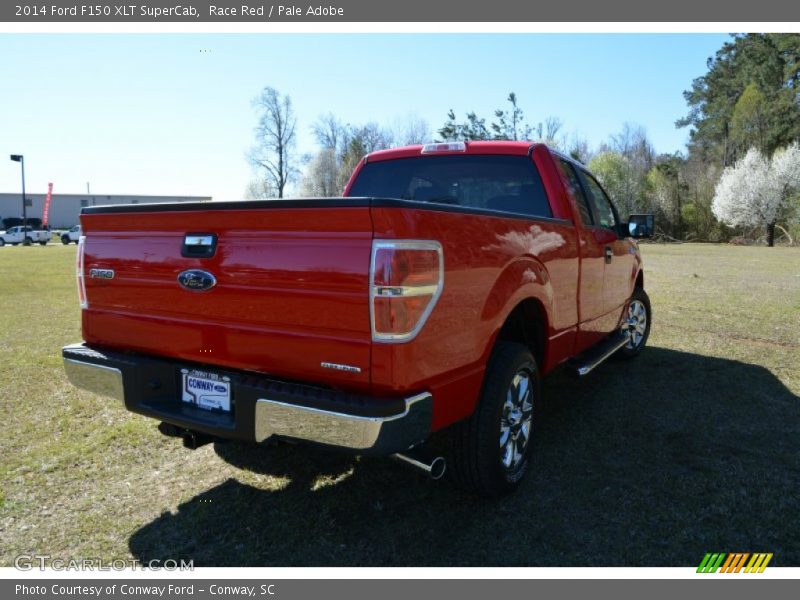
pixel 291 287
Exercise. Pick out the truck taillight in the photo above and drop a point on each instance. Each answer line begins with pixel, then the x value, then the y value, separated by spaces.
pixel 79 271
pixel 444 147
pixel 406 280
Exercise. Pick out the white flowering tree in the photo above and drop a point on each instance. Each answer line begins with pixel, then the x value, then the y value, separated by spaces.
pixel 758 190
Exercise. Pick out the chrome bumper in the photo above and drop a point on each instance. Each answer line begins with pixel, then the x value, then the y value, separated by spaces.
pixel 100 379
pixel 406 429
pixel 262 410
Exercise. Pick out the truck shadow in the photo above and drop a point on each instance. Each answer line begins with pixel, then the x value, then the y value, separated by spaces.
pixel 647 466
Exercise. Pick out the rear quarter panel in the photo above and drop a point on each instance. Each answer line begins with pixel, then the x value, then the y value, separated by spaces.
pixel 491 264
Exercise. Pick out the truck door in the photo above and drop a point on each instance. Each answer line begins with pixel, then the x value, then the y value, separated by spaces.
pixel 590 294
pixel 619 261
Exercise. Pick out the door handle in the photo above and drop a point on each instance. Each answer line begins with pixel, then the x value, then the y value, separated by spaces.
pixel 609 254
pixel 199 245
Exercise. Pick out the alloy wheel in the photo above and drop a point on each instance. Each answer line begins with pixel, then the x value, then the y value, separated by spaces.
pixel 516 420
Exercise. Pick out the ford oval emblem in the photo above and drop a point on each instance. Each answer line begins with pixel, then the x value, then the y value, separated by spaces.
pixel 197 280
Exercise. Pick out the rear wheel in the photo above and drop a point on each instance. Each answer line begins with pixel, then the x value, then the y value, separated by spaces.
pixel 2 242
pixel 43 243
pixel 637 324
pixel 490 451
pixel 65 240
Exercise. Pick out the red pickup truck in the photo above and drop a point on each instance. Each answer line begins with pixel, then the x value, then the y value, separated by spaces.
pixel 434 295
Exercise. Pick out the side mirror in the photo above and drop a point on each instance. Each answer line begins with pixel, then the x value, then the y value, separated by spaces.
pixel 641 226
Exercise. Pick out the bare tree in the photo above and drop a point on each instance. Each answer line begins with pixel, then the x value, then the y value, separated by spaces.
pixel 322 178
pixel 552 125
pixel 412 129
pixel 358 142
pixel 259 189
pixel 577 147
pixel 275 138
pixel 633 144
pixel 329 132
pixel 367 138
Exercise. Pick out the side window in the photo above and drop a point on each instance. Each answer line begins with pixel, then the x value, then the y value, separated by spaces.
pixel 577 192
pixel 600 202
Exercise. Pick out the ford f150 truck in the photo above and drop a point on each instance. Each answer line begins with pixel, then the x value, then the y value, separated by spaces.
pixel 432 297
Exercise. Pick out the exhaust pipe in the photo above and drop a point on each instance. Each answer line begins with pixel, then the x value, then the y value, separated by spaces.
pixel 169 430
pixel 435 469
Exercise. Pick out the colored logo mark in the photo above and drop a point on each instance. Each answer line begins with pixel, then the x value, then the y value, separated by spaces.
pixel 734 562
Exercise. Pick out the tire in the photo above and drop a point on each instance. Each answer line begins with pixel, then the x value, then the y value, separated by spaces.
pixel 490 452
pixel 43 243
pixel 65 240
pixel 637 324
pixel 28 241
pixel 2 242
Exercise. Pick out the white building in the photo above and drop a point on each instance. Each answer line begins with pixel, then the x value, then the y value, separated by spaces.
pixel 65 208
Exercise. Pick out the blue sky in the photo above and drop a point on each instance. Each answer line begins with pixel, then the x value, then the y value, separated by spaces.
pixel 171 113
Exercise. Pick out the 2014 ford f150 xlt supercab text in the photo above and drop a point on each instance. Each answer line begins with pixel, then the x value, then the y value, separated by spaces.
pixel 431 297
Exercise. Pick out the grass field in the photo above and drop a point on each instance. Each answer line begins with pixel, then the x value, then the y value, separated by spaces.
pixel 694 447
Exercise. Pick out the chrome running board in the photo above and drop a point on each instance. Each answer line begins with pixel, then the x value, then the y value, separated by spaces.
pixel 597 354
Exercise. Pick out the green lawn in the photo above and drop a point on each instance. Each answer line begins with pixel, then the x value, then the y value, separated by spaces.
pixel 692 448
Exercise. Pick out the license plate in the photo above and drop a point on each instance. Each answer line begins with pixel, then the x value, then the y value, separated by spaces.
pixel 206 390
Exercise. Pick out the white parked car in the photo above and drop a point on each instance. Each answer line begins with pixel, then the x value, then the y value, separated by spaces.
pixel 73 235
pixel 19 235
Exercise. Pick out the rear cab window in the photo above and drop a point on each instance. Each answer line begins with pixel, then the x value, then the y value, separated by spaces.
pixel 503 183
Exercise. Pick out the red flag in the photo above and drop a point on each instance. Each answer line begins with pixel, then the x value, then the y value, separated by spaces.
pixel 48 198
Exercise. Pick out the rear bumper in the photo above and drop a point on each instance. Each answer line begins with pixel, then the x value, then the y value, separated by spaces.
pixel 261 408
